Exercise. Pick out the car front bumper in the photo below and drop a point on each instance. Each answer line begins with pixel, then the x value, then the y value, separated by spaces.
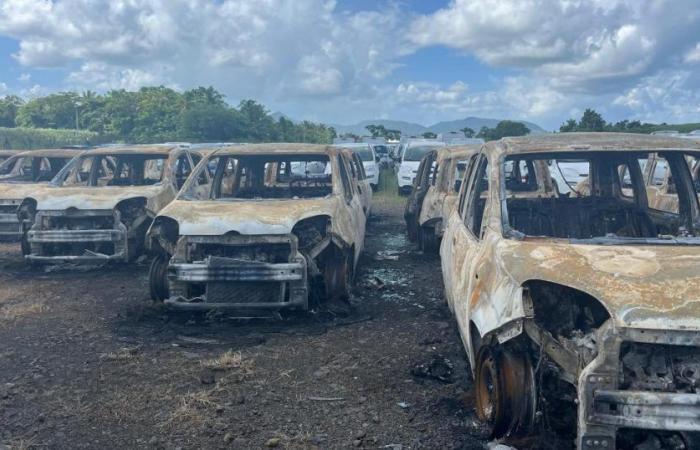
pixel 49 245
pixel 604 407
pixel 10 225
pixel 229 283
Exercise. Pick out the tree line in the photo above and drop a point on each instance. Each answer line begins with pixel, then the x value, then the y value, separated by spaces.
pixel 159 114
pixel 593 121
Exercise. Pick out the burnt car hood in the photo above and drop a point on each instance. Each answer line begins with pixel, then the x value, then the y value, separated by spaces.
pixel 215 218
pixel 652 286
pixel 62 198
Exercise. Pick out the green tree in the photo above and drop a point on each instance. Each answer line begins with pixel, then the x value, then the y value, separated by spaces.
pixel 505 128
pixel 119 114
pixel 204 96
pixel 393 135
pixel 53 111
pixel 8 110
pixel 158 113
pixel 257 122
pixel 90 109
pixel 209 123
pixel 468 132
pixel 569 126
pixel 429 135
pixel 377 130
pixel 591 121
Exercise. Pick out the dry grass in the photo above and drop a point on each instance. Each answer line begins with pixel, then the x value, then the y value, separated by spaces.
pixel 193 407
pixel 21 444
pixel 230 360
pixel 123 354
pixel 18 310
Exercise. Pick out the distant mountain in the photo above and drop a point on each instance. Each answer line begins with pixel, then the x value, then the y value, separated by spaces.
pixel 407 128
pixel 415 129
pixel 476 123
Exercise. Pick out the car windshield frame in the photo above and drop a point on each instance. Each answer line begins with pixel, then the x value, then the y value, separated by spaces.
pixel 195 190
pixel 16 162
pixel 110 161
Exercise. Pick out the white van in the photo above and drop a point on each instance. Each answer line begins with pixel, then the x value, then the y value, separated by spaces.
pixel 410 160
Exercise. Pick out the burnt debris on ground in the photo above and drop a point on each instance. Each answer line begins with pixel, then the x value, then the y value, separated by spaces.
pixel 87 362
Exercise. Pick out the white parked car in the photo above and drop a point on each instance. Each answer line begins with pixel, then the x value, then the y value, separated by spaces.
pixel 410 160
pixel 369 160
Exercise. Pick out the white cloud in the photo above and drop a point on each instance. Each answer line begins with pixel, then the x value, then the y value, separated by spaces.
pixel 25 77
pixel 693 55
pixel 571 54
pixel 548 58
pixel 670 96
pixel 267 48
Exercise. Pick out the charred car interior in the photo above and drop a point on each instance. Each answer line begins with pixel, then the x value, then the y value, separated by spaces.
pixel 260 229
pixel 617 207
pixel 100 206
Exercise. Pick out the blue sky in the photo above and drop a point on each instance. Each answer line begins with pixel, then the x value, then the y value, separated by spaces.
pixel 347 60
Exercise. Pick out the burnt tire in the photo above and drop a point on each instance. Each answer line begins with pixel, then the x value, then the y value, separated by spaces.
pixel 158 278
pixel 25 246
pixel 427 241
pixel 411 230
pixel 505 391
pixel 337 277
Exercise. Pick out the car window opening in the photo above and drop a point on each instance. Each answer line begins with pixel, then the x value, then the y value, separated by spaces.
pixel 612 195
pixel 261 177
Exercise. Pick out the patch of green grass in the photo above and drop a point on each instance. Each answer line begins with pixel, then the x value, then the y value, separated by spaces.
pixel 32 138
pixel 388 188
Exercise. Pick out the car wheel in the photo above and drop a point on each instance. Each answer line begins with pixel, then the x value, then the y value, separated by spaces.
pixel 427 240
pixel 158 277
pixel 337 275
pixel 26 247
pixel 411 230
pixel 505 391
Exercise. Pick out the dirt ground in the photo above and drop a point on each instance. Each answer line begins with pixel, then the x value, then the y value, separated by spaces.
pixel 86 361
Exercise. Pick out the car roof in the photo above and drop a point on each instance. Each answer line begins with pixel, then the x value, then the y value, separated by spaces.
pixel 52 153
pixel 457 151
pixel 572 142
pixel 157 149
pixel 282 148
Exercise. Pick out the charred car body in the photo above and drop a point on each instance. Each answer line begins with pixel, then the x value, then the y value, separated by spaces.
pixel 99 207
pixel 21 176
pixel 581 307
pixel 260 228
pixel 434 194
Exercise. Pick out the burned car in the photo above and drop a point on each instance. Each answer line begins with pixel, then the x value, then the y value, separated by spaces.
pixel 579 311
pixel 434 194
pixel 99 207
pixel 21 176
pixel 258 229
pixel 7 154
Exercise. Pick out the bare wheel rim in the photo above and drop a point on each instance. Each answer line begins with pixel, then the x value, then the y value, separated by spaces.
pixel 505 392
pixel 487 388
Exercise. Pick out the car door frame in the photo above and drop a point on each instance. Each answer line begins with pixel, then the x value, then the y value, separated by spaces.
pixel 469 261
